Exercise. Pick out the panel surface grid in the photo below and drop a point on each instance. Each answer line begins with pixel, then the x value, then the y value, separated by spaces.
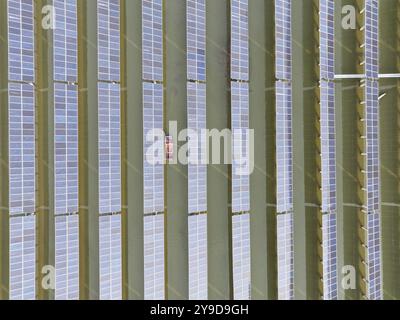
pixel 152 40
pixel 374 276
pixel 110 258
pixel 66 106
pixel 65 41
pixel 196 95
pixel 153 167
pixel 22 258
pixel 284 152
pixel 328 149
pixel 240 105
pixel 241 147
pixel 198 257
pixel 21 106
pixel 283 39
pixel 20 40
pixel 196 39
pixel 241 256
pixel 109 149
pixel 329 256
pixel 154 257
pixel 109 106
pixel 67 257
pixel 197 170
pixel 283 105
pixel 284 145
pixel 285 256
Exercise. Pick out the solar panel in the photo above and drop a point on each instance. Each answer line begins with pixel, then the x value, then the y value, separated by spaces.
pixel 328 149
pixel 283 39
pixel 241 147
pixel 327 39
pixel 373 257
pixel 371 39
pixel 154 257
pixel 329 256
pixel 196 39
pixel 241 256
pixel 109 148
pixel 198 257
pixel 21 41
pixel 65 41
pixel 21 100
pixel 284 147
pixel 65 60
pixel 372 206
pixel 239 40
pixel 109 91
pixel 152 40
pixel 108 40
pixel 328 146
pixel 197 172
pixel 373 246
pixel 66 148
pixel 285 256
pixel 22 258
pixel 110 258
pixel 67 257
pixel 22 148
pixel 153 173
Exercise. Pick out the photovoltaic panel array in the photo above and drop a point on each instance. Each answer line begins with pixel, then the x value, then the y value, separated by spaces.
pixel 109 106
pixel 329 264
pixel 109 148
pixel 284 145
pixel 21 99
pixel 372 167
pixel 198 257
pixel 197 169
pixel 65 60
pixel 65 41
pixel 240 147
pixel 67 257
pixel 154 257
pixel 22 258
pixel 110 258
pixel 21 106
pixel 241 256
pixel 108 25
pixel 196 39
pixel 152 45
pixel 152 40
pixel 240 40
pixel 328 148
pixel 371 39
pixel 285 256
pixel 196 96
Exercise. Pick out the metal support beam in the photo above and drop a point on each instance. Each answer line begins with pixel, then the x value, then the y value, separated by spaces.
pixel 263 179
pixel 131 143
pixel 389 147
pixel 219 202
pixel 349 161
pixel 306 192
pixel 45 178
pixel 88 151
pixel 4 157
pixel 176 175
